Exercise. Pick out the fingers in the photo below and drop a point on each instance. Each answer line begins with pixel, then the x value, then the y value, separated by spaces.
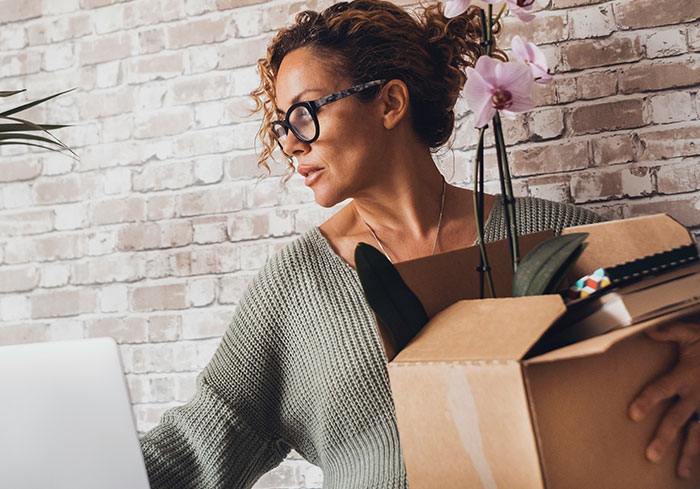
pixel 671 424
pixel 690 450
pixel 680 332
pixel 659 390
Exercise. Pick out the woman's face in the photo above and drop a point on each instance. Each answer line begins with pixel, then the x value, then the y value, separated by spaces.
pixel 348 150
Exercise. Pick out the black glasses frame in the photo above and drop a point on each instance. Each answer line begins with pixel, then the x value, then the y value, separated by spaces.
pixel 313 106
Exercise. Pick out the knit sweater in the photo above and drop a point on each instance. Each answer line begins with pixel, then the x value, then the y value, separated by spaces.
pixel 302 366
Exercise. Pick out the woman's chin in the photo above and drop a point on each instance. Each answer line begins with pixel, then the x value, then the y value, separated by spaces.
pixel 325 199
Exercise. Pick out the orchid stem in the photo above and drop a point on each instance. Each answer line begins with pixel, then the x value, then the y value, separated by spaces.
pixel 477 196
pixel 499 14
pixel 507 190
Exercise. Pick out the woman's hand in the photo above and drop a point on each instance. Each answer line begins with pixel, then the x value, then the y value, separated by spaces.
pixel 682 383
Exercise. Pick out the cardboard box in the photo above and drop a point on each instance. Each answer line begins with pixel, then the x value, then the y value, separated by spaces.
pixel 475 411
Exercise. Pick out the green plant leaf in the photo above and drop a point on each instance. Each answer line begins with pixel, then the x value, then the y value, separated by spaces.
pixel 36 127
pixel 27 127
pixel 32 104
pixel 11 93
pixel 396 305
pixel 546 266
pixel 33 137
pixel 10 143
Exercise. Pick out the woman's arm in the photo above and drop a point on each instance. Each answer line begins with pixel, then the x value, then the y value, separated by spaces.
pixel 681 383
pixel 227 436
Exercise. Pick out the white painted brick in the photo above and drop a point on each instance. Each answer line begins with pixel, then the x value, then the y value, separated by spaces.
pixel 590 22
pixel 252 256
pixel 53 7
pixel 66 329
pixel 239 109
pixel 167 357
pixel 56 164
pixel 147 416
pixel 206 349
pixel 284 475
pixel 185 386
pixel 672 107
pixel 201 59
pixel 108 74
pixel 102 242
pixel 164 327
pixel 201 292
pixel 694 36
pixel 19 333
pixel 13 37
pixel 70 216
pixel 243 80
pixel 208 114
pixel 546 123
pixel 14 307
pixel 200 7
pixel 151 95
pixel 636 181
pixel 248 22
pixel 113 298
pixel 25 63
pixel 205 323
pixel 227 258
pixel 16 195
pixel 209 230
pixel 54 275
pixel 209 169
pixel 117 181
pixel 209 141
pixel 108 19
pixel 159 150
pixel 164 122
pixel 667 42
pixel 58 57
pixel 119 128
pixel 232 286
pixel 142 12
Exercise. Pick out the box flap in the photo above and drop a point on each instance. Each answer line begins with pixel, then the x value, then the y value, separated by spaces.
pixel 484 329
pixel 441 280
pixel 614 242
pixel 602 343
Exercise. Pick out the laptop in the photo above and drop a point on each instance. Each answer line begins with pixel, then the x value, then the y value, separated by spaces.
pixel 66 419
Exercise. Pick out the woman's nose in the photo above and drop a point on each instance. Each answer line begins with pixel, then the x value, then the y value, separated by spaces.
pixel 293 146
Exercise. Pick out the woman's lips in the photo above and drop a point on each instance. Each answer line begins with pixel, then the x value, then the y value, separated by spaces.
pixel 313 176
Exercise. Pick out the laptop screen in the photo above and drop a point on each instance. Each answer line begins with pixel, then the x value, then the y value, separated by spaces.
pixel 66 419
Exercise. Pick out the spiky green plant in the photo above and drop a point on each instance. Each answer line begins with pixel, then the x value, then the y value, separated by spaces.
pixel 17 131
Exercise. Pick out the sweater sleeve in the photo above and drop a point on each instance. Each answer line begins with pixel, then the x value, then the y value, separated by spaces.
pixel 227 435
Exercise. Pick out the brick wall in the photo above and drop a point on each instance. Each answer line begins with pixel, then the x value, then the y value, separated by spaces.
pixel 152 235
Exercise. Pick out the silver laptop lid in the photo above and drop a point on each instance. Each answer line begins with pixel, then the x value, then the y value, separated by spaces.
pixel 65 418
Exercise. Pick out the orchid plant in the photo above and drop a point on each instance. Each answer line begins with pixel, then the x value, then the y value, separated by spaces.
pixel 496 88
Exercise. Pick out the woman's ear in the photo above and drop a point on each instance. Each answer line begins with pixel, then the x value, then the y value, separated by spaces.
pixel 395 102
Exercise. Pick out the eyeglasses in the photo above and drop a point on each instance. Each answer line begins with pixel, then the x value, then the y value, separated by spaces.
pixel 302 118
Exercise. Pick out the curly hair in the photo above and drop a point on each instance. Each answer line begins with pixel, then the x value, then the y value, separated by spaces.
pixel 367 40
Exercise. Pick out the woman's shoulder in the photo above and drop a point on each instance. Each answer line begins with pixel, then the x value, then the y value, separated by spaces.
pixel 536 214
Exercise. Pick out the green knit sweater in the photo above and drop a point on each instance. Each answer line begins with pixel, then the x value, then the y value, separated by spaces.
pixel 301 366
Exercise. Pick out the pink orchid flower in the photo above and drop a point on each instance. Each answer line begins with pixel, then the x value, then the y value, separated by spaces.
pixel 529 54
pixel 520 8
pixel 496 86
pixel 453 8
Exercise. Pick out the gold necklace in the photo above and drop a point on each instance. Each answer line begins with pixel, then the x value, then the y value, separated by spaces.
pixel 437 232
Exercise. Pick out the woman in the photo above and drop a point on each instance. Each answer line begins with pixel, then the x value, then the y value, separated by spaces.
pixel 359 95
